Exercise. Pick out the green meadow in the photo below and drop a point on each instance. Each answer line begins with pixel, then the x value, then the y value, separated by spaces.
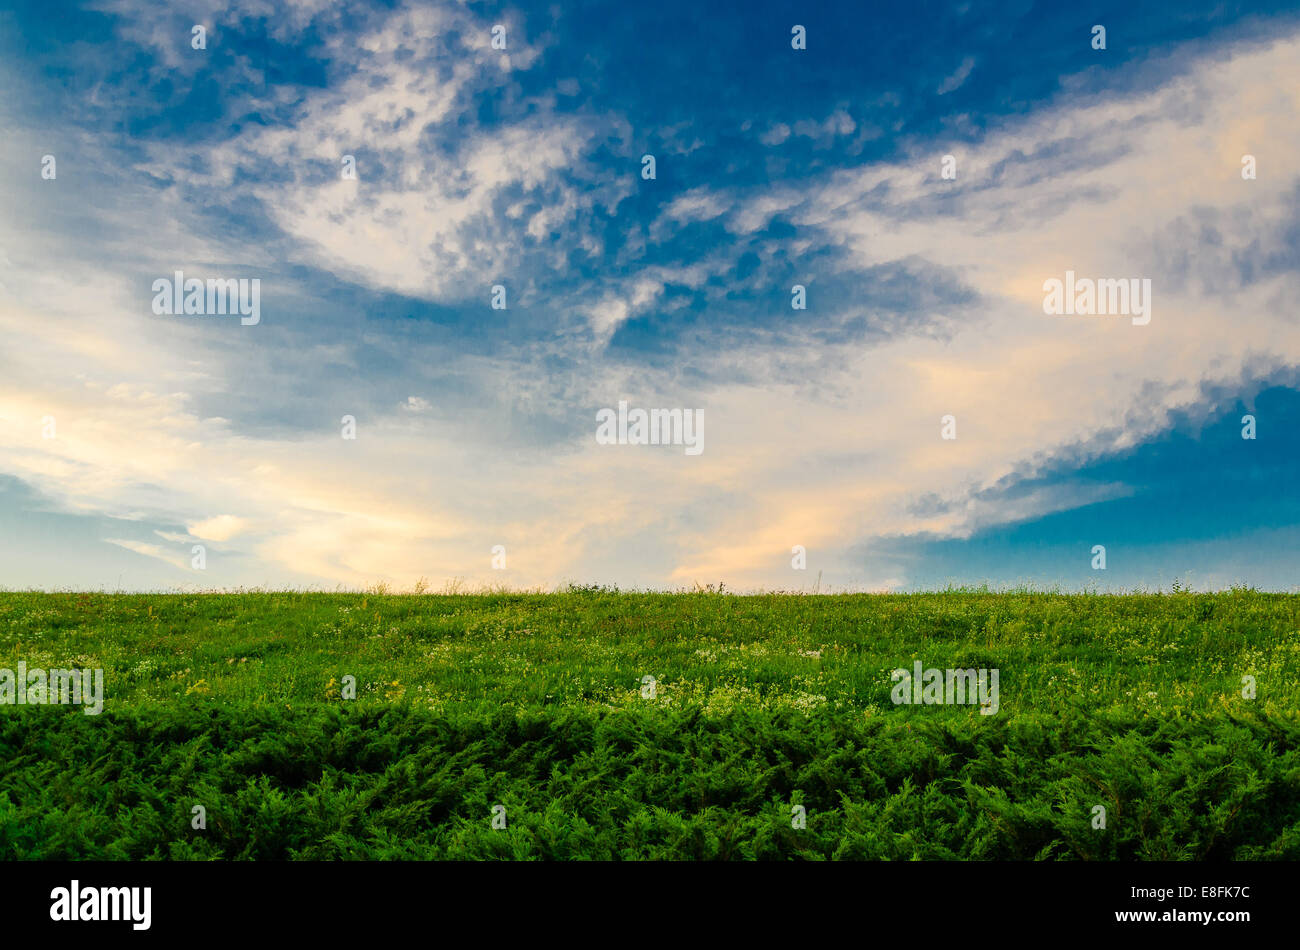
pixel 596 724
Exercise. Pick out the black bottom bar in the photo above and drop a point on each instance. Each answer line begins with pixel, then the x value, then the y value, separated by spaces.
pixel 910 900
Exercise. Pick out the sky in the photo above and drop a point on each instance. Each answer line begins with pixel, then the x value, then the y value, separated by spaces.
pixel 824 232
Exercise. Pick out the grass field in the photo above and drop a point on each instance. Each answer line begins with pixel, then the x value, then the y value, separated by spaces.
pixel 536 708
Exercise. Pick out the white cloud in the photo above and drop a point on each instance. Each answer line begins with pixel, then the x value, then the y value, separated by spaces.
pixel 836 455
pixel 167 555
pixel 959 77
pixel 219 528
pixel 423 217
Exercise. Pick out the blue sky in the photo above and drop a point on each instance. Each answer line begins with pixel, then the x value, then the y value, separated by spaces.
pixel 128 437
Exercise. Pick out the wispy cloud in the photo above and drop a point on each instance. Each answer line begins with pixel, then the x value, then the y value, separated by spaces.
pixel 474 426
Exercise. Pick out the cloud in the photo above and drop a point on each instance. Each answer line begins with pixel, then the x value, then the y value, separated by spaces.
pixel 167 556
pixel 823 425
pixel 441 206
pixel 954 82
pixel 219 528
pixel 1025 387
